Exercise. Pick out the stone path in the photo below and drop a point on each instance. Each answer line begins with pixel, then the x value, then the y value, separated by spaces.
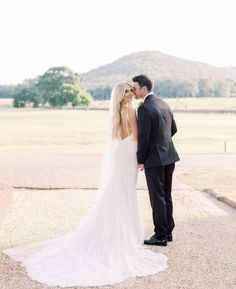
pixel 75 171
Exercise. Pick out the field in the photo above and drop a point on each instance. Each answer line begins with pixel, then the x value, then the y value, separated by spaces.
pixel 52 131
pixel 5 103
pixel 205 133
pixel 175 103
pixel 188 103
pixel 83 132
pixel 202 103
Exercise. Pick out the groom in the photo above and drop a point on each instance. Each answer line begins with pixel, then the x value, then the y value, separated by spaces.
pixel 157 155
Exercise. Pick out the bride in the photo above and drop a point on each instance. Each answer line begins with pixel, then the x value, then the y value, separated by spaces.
pixel 107 246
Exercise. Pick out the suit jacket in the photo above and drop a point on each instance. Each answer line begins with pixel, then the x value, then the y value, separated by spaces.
pixel 156 126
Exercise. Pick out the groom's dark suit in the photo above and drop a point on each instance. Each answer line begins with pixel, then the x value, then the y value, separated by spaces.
pixel 156 151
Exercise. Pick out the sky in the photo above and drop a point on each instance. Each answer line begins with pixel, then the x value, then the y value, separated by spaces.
pixel 85 34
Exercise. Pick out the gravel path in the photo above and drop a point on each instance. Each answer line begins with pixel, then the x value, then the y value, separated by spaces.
pixel 202 255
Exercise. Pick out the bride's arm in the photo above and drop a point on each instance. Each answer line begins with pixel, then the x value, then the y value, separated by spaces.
pixel 133 123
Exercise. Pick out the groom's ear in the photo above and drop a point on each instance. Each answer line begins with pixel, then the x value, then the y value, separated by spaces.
pixel 145 88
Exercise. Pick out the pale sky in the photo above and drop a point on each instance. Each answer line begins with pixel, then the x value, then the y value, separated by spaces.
pixel 85 34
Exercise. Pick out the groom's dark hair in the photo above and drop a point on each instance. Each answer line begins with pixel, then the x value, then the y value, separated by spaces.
pixel 143 80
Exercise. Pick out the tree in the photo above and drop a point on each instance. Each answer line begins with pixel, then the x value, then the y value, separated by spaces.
pixel 206 87
pixel 24 94
pixel 174 88
pixel 60 86
pixel 223 88
pixel 101 93
pixel 57 87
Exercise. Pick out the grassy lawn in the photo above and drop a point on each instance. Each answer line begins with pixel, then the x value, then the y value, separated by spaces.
pixel 175 103
pixel 221 179
pixel 6 102
pixel 188 103
pixel 205 133
pixel 52 131
pixel 202 103
pixel 83 132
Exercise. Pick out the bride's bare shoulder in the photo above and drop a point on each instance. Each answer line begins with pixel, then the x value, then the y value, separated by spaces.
pixel 131 113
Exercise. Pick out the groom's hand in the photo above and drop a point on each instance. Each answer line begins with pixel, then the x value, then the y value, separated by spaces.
pixel 141 167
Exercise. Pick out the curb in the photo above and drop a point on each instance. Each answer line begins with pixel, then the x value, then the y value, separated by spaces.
pixel 220 197
pixel 5 200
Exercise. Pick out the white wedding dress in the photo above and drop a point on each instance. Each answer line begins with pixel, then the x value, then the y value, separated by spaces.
pixel 107 246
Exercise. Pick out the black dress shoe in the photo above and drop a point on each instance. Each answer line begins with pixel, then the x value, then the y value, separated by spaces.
pixel 155 241
pixel 169 238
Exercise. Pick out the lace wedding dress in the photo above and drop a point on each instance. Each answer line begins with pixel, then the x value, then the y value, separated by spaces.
pixel 107 246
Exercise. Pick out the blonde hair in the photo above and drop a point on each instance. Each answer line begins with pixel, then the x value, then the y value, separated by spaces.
pixel 118 93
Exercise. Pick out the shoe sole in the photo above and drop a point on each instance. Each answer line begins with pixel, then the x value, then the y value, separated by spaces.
pixel 163 245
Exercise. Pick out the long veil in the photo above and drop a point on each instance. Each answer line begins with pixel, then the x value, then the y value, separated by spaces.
pixel 110 146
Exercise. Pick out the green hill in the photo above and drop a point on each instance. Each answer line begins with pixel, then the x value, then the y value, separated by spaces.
pixel 159 66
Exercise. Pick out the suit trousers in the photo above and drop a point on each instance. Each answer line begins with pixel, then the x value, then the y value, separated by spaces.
pixel 159 182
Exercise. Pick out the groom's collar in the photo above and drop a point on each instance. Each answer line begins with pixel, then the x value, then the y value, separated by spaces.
pixel 150 93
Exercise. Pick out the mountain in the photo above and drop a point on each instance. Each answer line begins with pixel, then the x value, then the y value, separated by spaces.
pixel 157 65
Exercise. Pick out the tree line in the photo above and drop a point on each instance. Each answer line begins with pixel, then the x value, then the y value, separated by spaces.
pixel 175 88
pixel 7 91
pixel 199 88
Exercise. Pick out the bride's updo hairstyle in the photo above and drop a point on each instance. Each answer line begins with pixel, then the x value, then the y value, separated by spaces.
pixel 117 95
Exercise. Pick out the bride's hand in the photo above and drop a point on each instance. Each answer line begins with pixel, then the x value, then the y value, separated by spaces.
pixel 141 167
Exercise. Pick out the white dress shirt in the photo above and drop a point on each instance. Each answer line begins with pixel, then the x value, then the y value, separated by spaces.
pixel 151 92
